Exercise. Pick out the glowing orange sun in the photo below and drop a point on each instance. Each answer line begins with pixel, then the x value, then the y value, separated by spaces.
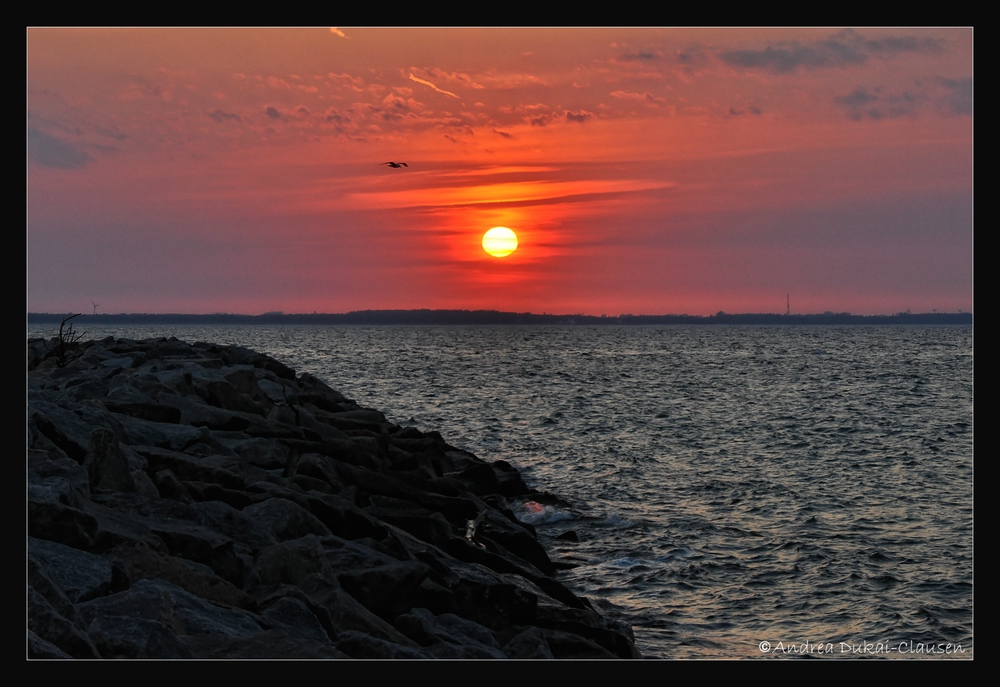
pixel 499 242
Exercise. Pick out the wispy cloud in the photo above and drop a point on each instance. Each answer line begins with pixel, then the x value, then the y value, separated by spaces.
pixel 355 83
pixel 428 83
pixel 440 75
pixel 842 49
pixel 50 151
pixel 628 53
pixel 959 98
pixel 647 98
pixel 514 192
pixel 219 115
pixel 950 96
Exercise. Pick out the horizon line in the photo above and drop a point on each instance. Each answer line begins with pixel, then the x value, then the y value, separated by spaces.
pixel 452 311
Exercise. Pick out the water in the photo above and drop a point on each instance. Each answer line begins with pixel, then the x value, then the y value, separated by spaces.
pixel 729 485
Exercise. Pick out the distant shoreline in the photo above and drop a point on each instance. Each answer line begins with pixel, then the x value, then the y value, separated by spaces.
pixel 466 317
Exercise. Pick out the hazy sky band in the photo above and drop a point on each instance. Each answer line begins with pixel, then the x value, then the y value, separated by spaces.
pixel 654 171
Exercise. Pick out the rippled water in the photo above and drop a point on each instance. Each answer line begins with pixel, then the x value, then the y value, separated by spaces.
pixel 729 485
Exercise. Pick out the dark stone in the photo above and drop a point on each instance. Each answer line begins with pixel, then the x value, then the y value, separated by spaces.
pixel 80 575
pixel 466 638
pixel 265 454
pixel 529 643
pixel 205 491
pixel 53 628
pixel 295 614
pixel 497 605
pixel 51 461
pixel 511 482
pixel 153 412
pixel 306 483
pixel 181 612
pixel 358 645
pixel 39 648
pixel 219 470
pixel 39 579
pixel 291 561
pixel 568 645
pixel 613 636
pixel 169 487
pixel 385 590
pixel 125 637
pixel 196 413
pixel 276 643
pixel 145 563
pixel 479 479
pixel 343 518
pixel 106 464
pixel 348 615
pixel 285 520
pixel 50 518
pixel 203 545
pixel 423 524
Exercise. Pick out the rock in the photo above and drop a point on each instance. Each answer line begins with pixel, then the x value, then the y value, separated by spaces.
pixel 220 470
pixel 530 643
pixel 348 615
pixel 265 454
pixel 145 563
pixel 343 518
pixel 292 561
pixel 51 627
pixel 295 614
pixel 568 645
pixel 81 576
pixel 175 491
pixel 202 545
pixel 125 637
pixel 44 463
pixel 386 589
pixel 467 639
pixel 51 518
pixel 285 520
pixel 181 612
pixel 39 648
pixel 146 410
pixel 106 464
pixel 38 577
pixel 277 643
pixel 360 645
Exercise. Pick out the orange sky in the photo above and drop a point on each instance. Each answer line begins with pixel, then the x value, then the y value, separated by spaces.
pixel 644 171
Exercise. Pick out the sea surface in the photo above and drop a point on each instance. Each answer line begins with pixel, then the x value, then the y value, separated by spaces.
pixel 737 491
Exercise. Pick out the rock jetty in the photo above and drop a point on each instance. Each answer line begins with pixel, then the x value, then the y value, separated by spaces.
pixel 205 501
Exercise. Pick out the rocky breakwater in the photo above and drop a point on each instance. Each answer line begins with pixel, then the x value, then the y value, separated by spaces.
pixel 195 500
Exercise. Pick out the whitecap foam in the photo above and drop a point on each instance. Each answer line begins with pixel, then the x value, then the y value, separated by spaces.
pixel 536 513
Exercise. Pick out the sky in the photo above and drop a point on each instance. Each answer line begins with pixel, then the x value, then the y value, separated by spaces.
pixel 644 171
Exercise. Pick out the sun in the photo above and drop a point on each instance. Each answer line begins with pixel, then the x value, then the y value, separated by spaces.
pixel 499 242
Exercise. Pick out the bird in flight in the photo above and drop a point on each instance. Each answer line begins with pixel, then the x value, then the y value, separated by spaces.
pixel 396 165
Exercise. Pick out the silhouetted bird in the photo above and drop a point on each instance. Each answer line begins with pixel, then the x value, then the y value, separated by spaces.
pixel 396 165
